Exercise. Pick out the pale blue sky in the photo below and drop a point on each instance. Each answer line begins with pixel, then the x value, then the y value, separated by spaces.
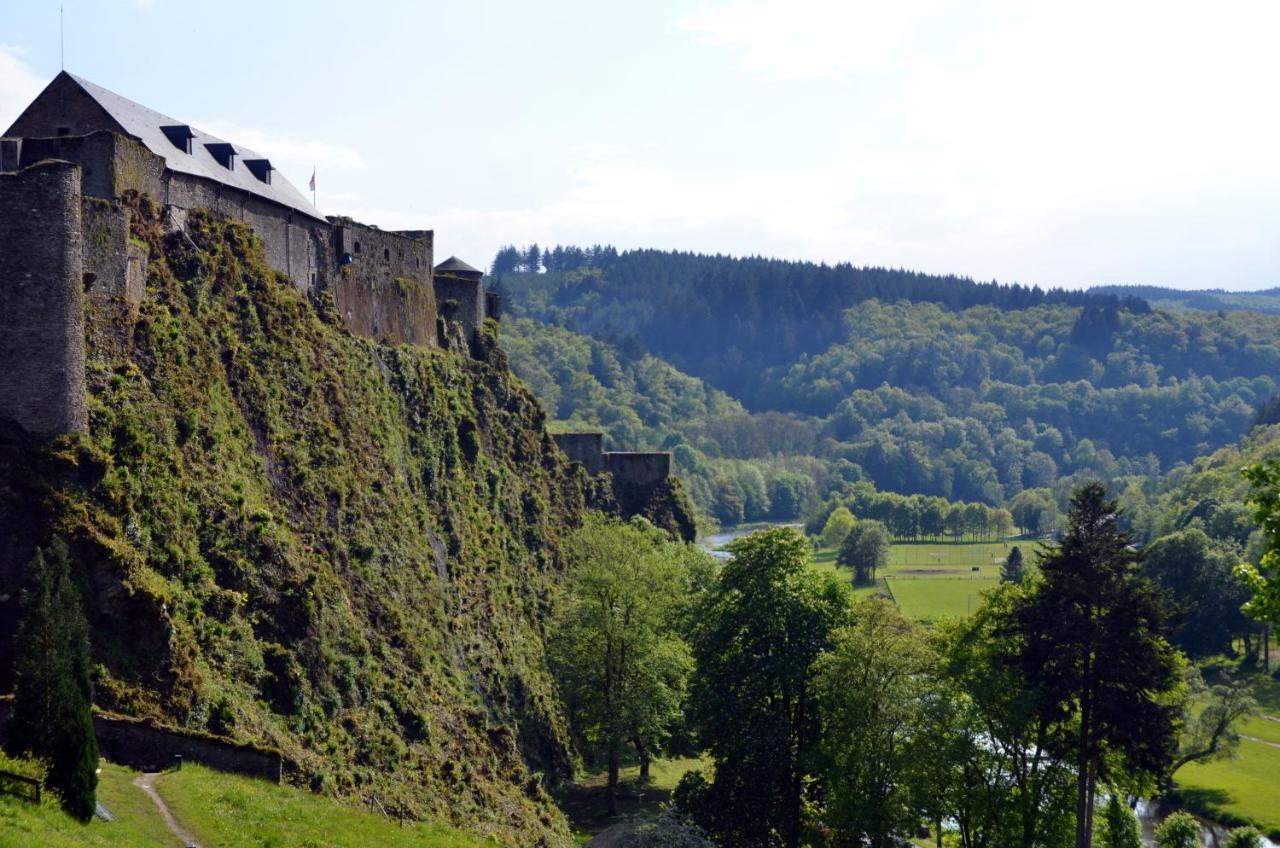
pixel 1053 143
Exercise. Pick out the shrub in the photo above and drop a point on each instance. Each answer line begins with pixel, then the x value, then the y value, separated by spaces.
pixel 1180 830
pixel 1244 837
pixel 1120 827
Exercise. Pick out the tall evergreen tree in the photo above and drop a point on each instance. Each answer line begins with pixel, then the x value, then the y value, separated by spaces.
pixel 1096 649
pixel 52 717
pixel 1013 569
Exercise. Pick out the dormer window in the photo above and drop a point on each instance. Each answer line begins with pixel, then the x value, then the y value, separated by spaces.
pixel 260 168
pixel 180 135
pixel 63 131
pixel 224 153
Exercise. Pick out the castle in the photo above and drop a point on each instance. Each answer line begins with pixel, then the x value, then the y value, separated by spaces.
pixel 65 165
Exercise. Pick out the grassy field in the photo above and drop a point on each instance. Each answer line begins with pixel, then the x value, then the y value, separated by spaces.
pixel 1243 787
pixel 219 809
pixel 931 599
pixel 930 580
pixel 24 825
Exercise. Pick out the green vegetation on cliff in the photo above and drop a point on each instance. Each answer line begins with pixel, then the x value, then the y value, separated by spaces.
pixel 300 538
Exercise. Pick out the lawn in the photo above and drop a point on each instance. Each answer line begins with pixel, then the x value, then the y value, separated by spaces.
pixel 1243 787
pixel 929 580
pixel 237 812
pixel 220 809
pixel 929 599
pixel 24 825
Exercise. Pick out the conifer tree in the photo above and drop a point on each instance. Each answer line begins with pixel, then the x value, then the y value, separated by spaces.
pixel 1013 569
pixel 52 718
pixel 1096 649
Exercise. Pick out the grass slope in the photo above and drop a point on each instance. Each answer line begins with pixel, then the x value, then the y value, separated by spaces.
pixel 1241 789
pixel 219 809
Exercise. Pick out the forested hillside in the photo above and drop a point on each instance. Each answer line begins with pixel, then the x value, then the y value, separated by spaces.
pixel 918 385
pixel 726 319
pixel 1212 300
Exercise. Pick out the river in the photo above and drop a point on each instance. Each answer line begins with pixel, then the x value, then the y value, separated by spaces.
pixel 713 543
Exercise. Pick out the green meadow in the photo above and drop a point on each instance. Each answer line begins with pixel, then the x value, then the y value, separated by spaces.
pixel 930 580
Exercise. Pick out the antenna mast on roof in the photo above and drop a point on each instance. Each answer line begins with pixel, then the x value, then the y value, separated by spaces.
pixel 62 41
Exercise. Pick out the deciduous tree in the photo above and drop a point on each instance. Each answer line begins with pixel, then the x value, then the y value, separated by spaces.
pixel 620 663
pixel 765 622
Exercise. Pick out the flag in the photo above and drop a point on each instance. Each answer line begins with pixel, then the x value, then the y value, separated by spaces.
pixel 313 178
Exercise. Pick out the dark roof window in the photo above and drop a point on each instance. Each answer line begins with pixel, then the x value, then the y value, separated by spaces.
pixel 64 131
pixel 180 135
pixel 260 168
pixel 224 153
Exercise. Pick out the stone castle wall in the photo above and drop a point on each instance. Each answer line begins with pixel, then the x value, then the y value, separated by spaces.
pixel 111 164
pixel 287 236
pixel 633 469
pixel 586 448
pixel 42 371
pixel 381 282
pixel 636 468
pixel 461 300
pixel 59 242
pixel 147 746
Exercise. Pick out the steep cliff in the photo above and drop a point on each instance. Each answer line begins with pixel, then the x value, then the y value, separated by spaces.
pixel 298 537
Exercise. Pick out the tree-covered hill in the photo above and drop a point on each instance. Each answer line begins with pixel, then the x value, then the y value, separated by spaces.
pixel 944 387
pixel 1265 300
pixel 726 319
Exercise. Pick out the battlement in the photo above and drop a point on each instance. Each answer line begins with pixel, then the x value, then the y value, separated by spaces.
pixel 636 469
pixel 586 448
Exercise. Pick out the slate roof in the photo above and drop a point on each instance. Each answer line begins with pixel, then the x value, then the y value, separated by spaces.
pixel 144 124
pixel 454 265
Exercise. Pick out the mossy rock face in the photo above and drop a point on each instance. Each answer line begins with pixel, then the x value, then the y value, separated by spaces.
pixel 341 549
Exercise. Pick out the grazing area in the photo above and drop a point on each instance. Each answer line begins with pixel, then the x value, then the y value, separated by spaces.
pixel 931 581
pixel 929 599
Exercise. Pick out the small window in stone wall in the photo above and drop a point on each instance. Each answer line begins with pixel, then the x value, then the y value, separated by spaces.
pixel 357 247
pixel 386 254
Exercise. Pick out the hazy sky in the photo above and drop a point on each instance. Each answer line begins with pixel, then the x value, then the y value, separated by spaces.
pixel 1067 143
